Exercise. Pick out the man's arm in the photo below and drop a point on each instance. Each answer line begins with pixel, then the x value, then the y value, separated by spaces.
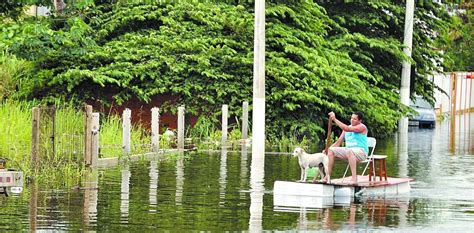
pixel 348 128
pixel 339 140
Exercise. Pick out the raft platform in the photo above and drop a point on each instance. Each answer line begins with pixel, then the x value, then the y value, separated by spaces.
pixel 340 191
pixel 341 187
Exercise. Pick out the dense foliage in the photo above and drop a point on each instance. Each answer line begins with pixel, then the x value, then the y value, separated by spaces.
pixel 202 53
pixel 457 39
pixel 379 30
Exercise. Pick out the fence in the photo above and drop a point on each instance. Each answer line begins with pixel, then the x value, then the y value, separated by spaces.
pixel 459 98
pixel 56 141
pixel 81 139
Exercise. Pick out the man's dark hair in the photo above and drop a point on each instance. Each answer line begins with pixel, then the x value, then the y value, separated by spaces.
pixel 359 115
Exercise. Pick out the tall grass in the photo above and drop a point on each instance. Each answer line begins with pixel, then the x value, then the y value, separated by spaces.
pixel 15 133
pixel 111 138
pixel 12 70
pixel 66 166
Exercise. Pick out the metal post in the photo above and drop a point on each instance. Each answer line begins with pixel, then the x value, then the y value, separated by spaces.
pixel 155 129
pixel 225 109
pixel 258 124
pixel 126 127
pixel 405 82
pixel 245 120
pixel 181 128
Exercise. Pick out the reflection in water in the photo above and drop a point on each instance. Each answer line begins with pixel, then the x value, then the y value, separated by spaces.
pixel 124 194
pixel 90 196
pixel 468 132
pixel 222 176
pixel 153 186
pixel 33 206
pixel 460 131
pixel 403 154
pixel 452 135
pixel 302 220
pixel 179 180
pixel 285 202
pixel 256 193
pixel 440 197
pixel 378 211
pixel 445 174
pixel 366 212
pixel 243 169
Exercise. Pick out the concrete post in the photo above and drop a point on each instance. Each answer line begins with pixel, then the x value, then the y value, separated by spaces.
pixel 181 128
pixel 126 128
pixel 245 120
pixel 225 109
pixel 258 124
pixel 155 129
pixel 95 138
pixel 88 135
pixel 406 70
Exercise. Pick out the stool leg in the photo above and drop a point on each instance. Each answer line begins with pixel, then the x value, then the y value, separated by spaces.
pixel 380 170
pixel 371 170
pixel 385 168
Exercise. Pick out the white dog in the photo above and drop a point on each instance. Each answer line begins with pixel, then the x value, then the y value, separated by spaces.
pixel 307 161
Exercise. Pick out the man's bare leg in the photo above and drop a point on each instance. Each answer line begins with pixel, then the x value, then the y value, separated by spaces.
pixel 353 164
pixel 330 165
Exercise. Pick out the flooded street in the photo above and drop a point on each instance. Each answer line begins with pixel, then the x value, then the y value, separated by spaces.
pixel 228 190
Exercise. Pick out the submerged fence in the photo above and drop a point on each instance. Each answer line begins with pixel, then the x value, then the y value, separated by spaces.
pixel 56 141
pixel 75 139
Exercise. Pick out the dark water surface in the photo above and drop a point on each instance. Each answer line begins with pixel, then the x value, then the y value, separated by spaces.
pixel 227 191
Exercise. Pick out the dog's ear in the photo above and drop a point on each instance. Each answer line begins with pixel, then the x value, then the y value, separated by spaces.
pixel 297 151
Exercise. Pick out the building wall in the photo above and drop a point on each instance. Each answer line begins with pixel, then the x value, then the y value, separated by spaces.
pixel 38 11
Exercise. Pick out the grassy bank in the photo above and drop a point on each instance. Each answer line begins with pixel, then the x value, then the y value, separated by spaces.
pixel 65 164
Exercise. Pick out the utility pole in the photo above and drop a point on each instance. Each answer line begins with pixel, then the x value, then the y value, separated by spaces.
pixel 258 112
pixel 406 70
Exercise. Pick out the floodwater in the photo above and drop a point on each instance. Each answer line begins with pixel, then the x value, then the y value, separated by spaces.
pixel 228 191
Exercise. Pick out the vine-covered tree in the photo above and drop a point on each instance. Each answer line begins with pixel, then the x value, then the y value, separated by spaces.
pixel 202 53
pixel 377 29
pixel 457 39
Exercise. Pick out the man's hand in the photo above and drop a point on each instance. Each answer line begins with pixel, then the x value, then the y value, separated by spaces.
pixel 332 116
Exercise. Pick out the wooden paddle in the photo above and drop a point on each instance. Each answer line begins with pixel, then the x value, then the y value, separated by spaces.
pixel 328 137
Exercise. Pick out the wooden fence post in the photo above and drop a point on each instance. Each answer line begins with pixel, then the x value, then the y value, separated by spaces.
pixel 181 128
pixel 225 109
pixel 95 138
pixel 155 129
pixel 126 126
pixel 88 135
pixel 245 119
pixel 35 137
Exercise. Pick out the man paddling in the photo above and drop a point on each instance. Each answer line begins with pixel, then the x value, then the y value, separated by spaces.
pixel 355 150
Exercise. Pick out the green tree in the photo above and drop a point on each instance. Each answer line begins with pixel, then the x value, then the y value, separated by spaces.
pixel 202 54
pixel 376 29
pixel 457 39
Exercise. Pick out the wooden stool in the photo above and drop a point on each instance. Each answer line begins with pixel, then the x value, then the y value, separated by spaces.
pixel 382 167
